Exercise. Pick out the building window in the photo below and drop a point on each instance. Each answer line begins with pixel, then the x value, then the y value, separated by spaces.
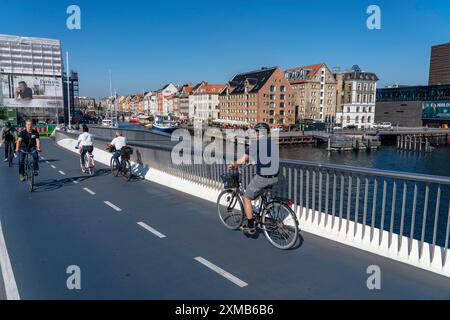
pixel 283 88
pixel 273 88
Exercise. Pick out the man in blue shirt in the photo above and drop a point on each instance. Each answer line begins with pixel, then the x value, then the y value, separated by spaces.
pixel 267 169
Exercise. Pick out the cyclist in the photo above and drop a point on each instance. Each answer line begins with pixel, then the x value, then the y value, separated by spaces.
pixel 86 145
pixel 118 143
pixel 266 171
pixel 28 141
pixel 8 137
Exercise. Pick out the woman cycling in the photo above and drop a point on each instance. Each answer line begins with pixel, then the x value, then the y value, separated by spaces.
pixel 86 145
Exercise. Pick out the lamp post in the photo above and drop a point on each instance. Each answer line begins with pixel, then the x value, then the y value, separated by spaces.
pixel 68 90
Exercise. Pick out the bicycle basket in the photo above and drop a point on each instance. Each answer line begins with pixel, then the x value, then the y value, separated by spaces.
pixel 230 180
pixel 126 152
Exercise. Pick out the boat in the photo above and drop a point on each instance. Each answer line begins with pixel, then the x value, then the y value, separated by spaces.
pixel 164 124
pixel 109 122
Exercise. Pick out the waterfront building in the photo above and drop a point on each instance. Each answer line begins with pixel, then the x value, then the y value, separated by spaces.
pixel 413 106
pixel 355 99
pixel 315 87
pixel 184 93
pixel 440 65
pixel 150 103
pixel 263 95
pixel 84 103
pixel 163 97
pixel 204 101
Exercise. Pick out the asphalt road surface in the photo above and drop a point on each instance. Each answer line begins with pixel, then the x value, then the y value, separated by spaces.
pixel 142 240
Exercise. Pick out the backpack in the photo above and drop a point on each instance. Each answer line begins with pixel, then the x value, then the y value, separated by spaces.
pixel 7 132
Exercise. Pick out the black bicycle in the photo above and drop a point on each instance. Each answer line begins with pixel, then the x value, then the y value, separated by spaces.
pixel 10 147
pixel 124 167
pixel 274 215
pixel 29 170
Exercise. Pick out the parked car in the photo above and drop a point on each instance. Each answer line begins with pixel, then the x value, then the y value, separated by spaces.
pixel 384 125
pixel 351 127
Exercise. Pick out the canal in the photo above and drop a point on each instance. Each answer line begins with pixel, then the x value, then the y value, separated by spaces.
pixel 436 162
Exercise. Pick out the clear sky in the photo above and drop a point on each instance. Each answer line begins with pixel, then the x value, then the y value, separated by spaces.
pixel 149 43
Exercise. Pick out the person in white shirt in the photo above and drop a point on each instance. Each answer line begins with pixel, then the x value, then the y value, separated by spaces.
pixel 86 144
pixel 118 143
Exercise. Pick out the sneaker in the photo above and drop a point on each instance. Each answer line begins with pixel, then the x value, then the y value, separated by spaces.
pixel 6 160
pixel 35 173
pixel 22 178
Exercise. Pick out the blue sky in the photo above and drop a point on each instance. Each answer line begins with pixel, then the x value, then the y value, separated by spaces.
pixel 149 43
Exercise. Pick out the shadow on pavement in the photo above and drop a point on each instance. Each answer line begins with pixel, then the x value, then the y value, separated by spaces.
pixel 54 184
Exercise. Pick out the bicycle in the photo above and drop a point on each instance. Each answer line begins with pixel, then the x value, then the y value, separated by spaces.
pixel 10 146
pixel 29 170
pixel 274 216
pixel 89 160
pixel 123 168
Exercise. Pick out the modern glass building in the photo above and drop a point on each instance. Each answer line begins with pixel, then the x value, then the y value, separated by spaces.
pixel 415 93
pixel 409 105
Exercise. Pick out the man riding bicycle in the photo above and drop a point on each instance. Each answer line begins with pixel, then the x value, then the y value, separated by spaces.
pixel 266 171
pixel 28 142
pixel 8 138
pixel 118 143
pixel 86 145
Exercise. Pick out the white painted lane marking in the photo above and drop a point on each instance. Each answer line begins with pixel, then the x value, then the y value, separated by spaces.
pixel 89 191
pixel 47 162
pixel 222 272
pixel 12 293
pixel 53 166
pixel 75 181
pixel 62 172
pixel 154 231
pixel 112 206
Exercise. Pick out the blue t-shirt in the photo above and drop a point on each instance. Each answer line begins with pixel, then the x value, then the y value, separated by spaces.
pixel 262 155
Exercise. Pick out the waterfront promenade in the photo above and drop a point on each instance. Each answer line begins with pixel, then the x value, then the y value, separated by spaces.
pixel 140 240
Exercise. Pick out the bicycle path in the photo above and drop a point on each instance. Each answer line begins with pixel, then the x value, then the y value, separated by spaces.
pixel 142 240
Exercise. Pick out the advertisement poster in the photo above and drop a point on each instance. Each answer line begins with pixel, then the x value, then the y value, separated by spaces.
pixel 436 110
pixel 21 91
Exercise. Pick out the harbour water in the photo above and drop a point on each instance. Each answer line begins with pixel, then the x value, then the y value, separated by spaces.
pixel 436 162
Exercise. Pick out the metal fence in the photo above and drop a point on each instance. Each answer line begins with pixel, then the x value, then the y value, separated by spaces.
pixel 410 206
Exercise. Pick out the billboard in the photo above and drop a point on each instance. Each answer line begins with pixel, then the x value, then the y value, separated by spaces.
pixel 436 110
pixel 23 91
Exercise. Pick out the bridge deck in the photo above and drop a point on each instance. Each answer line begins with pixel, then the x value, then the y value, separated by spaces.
pixel 61 224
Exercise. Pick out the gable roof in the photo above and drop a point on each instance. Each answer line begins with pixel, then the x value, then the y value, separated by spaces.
pixel 254 80
pixel 208 88
pixel 302 74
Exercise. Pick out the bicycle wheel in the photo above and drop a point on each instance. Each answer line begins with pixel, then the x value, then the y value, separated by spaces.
pixel 10 155
pixel 30 175
pixel 91 165
pixel 280 225
pixel 126 170
pixel 115 170
pixel 230 209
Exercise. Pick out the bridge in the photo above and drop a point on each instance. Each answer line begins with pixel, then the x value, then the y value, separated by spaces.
pixel 159 236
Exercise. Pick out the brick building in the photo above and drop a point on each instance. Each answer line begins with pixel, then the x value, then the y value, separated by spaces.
pixel 263 95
